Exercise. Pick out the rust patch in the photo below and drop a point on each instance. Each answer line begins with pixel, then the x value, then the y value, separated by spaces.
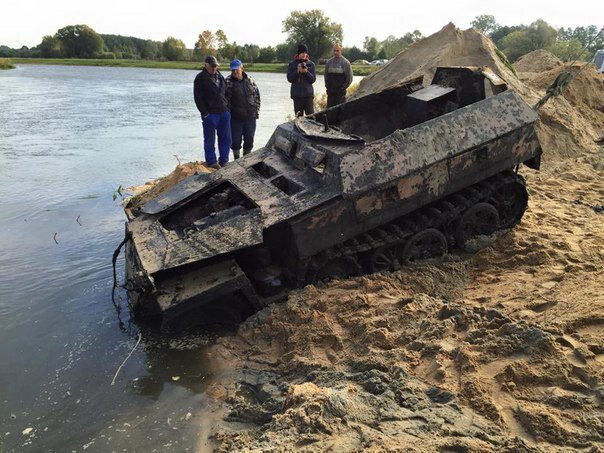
pixel 367 204
pixel 409 186
pixel 321 220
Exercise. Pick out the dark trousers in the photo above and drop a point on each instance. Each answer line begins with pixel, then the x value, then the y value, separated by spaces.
pixel 304 106
pixel 217 124
pixel 336 98
pixel 242 130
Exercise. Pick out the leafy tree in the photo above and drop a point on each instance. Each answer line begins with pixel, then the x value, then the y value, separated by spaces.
pixel 174 49
pixel 50 47
pixel 206 44
pixel 314 29
pixel 517 44
pixel 498 35
pixel 79 41
pixel 266 55
pixel 151 50
pixel 538 35
pixel 131 47
pixel 23 52
pixel 354 53
pixel 371 46
pixel 485 23
pixel 6 52
pixel 229 51
pixel 391 46
pixel 285 51
pixel 567 50
pixel 589 38
pixel 221 38
pixel 541 34
pixel 249 53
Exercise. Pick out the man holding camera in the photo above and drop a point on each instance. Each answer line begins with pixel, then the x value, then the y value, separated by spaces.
pixel 301 75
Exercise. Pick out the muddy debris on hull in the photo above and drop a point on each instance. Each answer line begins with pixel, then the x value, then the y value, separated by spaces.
pixel 386 179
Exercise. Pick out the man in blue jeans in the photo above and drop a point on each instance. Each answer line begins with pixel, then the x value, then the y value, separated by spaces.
pixel 243 98
pixel 209 91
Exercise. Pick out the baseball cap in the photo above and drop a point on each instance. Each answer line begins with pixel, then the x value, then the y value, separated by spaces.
pixel 211 60
pixel 235 64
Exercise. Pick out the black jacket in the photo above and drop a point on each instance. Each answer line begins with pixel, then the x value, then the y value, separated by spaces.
pixel 243 97
pixel 301 83
pixel 209 97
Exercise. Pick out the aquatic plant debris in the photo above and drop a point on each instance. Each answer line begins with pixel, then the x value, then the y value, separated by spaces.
pixel 126 359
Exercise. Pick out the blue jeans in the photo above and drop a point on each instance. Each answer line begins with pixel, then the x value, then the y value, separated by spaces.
pixel 242 129
pixel 217 123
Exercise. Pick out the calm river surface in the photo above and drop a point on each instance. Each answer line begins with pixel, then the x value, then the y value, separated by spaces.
pixel 69 136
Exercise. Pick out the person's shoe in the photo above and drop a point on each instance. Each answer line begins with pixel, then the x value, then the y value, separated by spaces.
pixel 214 166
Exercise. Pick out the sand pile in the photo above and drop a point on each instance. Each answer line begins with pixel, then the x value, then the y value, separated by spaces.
pixel 537 61
pixel 151 189
pixel 448 47
pixel 503 350
pixel 573 122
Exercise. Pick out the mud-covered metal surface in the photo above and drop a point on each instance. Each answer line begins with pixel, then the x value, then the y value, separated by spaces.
pixel 316 130
pixel 338 193
pixel 446 137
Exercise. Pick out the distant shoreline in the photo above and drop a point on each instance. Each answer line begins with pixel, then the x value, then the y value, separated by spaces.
pixel 358 70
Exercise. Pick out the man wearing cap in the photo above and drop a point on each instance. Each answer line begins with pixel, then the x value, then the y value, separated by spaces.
pixel 209 91
pixel 243 99
pixel 301 75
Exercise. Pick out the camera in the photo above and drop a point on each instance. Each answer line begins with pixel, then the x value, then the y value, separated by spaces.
pixel 303 65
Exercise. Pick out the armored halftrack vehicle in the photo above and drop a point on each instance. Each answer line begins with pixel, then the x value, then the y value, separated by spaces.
pixel 393 177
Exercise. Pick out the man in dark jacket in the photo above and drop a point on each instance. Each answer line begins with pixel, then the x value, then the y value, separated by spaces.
pixel 338 77
pixel 209 91
pixel 244 102
pixel 301 75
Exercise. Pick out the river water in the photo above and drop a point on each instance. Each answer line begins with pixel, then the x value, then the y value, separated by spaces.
pixel 69 137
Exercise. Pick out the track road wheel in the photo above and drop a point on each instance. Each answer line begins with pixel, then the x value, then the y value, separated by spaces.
pixel 482 219
pixel 338 268
pixel 428 243
pixel 511 200
pixel 385 258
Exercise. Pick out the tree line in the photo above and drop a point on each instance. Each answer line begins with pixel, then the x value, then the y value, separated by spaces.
pixel 314 29
pixel 568 44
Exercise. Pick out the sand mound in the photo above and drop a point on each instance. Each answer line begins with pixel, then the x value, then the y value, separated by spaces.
pixel 539 60
pixel 573 122
pixel 448 47
pixel 500 351
pixel 584 93
pixel 151 189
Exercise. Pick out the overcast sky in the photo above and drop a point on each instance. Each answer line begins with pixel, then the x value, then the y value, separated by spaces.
pixel 24 22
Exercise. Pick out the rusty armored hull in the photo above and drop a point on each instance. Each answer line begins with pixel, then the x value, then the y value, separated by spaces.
pixel 366 186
